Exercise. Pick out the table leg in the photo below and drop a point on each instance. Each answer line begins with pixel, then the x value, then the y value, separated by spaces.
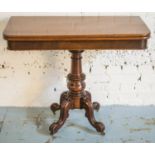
pixel 76 97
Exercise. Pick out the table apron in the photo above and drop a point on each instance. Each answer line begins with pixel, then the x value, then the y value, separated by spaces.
pixel 77 45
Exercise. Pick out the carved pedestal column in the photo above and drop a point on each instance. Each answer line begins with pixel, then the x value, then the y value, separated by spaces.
pixel 76 97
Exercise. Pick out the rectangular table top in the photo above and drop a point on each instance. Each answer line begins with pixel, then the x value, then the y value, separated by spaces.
pixel 75 32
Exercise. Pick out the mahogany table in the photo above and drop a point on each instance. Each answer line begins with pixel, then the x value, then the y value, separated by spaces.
pixel 76 34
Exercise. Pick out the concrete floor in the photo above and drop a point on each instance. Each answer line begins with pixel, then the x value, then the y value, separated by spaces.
pixel 123 124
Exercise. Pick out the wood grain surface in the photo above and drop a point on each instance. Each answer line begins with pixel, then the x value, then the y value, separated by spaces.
pixel 75 32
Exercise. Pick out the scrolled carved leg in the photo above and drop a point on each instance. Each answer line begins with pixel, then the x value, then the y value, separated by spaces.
pixel 55 106
pixel 65 106
pixel 88 106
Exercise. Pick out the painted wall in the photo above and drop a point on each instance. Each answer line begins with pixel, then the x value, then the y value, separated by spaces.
pixel 36 78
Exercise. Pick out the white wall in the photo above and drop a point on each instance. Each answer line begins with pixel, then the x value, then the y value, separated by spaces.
pixel 36 78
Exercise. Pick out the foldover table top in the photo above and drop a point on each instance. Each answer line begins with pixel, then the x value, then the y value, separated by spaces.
pixel 75 32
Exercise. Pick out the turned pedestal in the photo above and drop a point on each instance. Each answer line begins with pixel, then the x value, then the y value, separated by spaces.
pixel 76 97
